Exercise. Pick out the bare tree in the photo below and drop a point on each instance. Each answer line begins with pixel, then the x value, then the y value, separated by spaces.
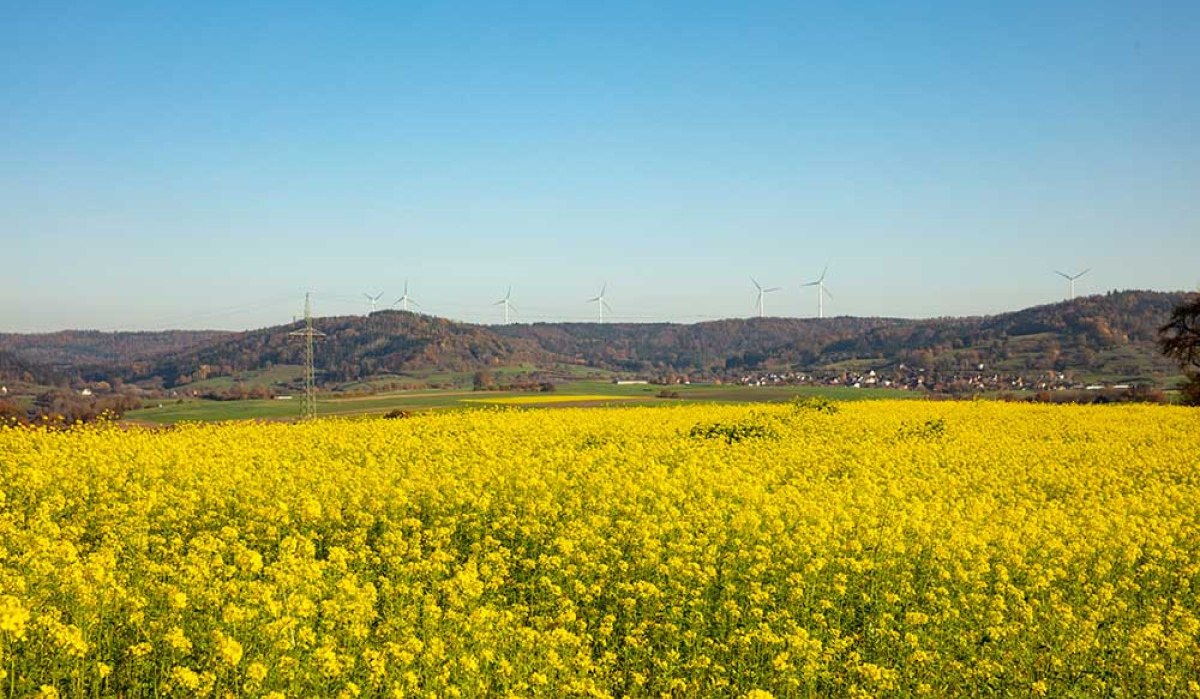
pixel 1179 339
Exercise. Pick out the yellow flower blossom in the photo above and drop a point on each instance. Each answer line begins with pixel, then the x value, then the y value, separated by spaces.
pixel 178 640
pixel 185 677
pixel 13 616
pixel 228 649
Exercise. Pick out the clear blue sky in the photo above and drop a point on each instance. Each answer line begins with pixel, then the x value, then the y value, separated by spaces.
pixel 204 164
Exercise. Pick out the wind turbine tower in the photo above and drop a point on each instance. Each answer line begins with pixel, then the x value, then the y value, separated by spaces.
pixel 374 300
pixel 1071 281
pixel 601 304
pixel 507 303
pixel 762 293
pixel 822 292
pixel 406 299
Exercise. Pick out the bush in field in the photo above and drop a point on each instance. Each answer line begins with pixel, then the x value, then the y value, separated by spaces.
pixel 818 404
pixel 732 432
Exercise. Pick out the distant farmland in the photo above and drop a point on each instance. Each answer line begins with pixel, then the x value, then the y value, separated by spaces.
pixel 184 410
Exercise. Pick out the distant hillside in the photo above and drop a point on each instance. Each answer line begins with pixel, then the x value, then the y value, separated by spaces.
pixel 1113 333
pixel 1110 335
pixel 14 369
pixel 84 347
pixel 709 346
pixel 355 347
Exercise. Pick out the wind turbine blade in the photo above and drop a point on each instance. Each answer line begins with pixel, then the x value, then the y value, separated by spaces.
pixel 823 272
pixel 774 288
pixel 500 302
pixel 811 283
pixel 513 309
pixel 1083 272
pixel 602 290
pixel 1064 276
pixel 606 304
pixel 827 292
pixel 592 300
pixel 756 284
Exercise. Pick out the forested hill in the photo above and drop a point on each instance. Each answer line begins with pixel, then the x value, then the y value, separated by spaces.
pixel 1089 333
pixel 14 369
pixel 1112 334
pixel 749 342
pixel 356 347
pixel 61 357
pixel 84 347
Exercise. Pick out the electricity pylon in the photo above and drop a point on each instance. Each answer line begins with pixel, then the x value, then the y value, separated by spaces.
pixel 308 408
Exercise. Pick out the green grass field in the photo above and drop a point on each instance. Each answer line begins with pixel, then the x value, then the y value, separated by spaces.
pixel 275 376
pixel 568 394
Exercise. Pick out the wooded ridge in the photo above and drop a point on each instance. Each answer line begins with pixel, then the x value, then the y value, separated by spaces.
pixel 1110 334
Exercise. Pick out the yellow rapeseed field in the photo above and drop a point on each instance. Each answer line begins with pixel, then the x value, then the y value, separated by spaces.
pixel 880 549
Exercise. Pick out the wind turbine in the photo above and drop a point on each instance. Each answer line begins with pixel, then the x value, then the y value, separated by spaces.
pixel 601 304
pixel 373 299
pixel 822 292
pixel 507 303
pixel 761 293
pixel 1071 281
pixel 406 299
